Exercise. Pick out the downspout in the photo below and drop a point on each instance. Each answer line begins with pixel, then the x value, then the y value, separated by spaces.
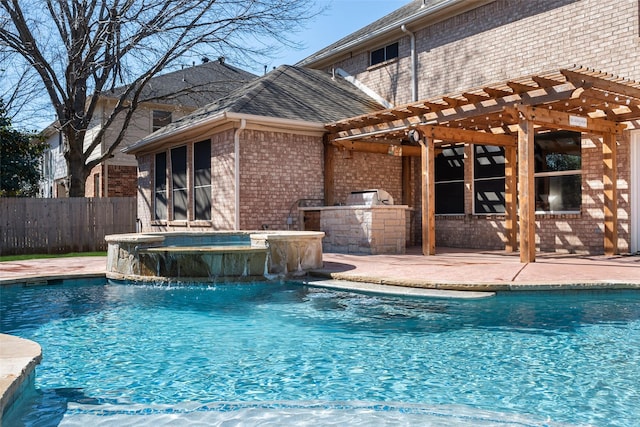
pixel 236 152
pixel 414 63
pixel 406 161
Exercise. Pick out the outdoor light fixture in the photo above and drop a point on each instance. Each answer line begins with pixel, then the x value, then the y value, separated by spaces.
pixel 414 136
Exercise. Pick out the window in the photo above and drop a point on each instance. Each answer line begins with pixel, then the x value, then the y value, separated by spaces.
pixel 188 183
pixel 160 189
pixel 384 53
pixel 179 183
pixel 202 180
pixel 558 171
pixel 160 119
pixel 449 180
pixel 96 185
pixel 46 164
pixel 488 179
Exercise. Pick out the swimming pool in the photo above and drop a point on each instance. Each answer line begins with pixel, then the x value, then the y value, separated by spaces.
pixel 288 353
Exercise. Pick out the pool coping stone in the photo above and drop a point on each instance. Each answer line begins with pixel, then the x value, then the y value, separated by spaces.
pixel 19 360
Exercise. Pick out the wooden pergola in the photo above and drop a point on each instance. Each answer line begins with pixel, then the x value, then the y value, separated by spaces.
pixel 506 114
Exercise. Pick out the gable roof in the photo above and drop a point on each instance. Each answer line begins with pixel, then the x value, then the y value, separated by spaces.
pixel 288 93
pixel 296 93
pixel 193 86
pixel 413 12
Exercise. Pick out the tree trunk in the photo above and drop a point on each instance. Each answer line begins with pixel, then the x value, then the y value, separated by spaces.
pixel 77 178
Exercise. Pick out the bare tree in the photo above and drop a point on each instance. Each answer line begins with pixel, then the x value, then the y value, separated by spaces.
pixel 81 49
pixel 22 90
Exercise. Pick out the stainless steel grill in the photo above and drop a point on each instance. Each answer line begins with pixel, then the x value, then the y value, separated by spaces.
pixel 369 198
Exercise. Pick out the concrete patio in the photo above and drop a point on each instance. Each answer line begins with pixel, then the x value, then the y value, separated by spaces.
pixel 453 269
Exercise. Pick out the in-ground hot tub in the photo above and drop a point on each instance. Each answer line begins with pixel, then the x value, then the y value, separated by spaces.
pixel 211 256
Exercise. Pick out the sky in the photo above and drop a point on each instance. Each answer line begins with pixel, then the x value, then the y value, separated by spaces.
pixel 341 18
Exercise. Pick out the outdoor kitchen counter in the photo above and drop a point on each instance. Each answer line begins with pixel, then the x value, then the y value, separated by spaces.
pixel 361 229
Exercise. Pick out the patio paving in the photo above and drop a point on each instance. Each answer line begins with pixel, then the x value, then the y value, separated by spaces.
pixel 460 269
pixel 452 269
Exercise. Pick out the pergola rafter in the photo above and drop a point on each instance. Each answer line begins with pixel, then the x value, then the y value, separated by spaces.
pixel 505 114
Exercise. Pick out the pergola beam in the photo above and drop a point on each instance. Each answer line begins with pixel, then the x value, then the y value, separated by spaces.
pixel 568 121
pixel 444 133
pixel 377 147
pixel 600 83
pixel 486 108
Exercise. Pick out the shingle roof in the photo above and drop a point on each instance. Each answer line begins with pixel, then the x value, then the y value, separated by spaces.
pixel 411 10
pixel 288 92
pixel 193 86
pixel 299 94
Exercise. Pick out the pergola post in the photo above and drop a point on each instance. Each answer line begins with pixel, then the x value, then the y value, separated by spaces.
pixel 406 181
pixel 427 160
pixel 609 180
pixel 329 168
pixel 526 191
pixel 510 194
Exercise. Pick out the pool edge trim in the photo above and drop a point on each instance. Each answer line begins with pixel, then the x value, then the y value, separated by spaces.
pixel 19 359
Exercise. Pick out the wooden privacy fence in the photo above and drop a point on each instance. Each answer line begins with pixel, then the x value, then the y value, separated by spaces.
pixel 31 226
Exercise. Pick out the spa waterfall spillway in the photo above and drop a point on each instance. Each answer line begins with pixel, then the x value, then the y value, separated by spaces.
pixel 212 256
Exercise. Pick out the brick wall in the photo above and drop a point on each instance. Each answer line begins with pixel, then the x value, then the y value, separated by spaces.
pixel 276 170
pixel 508 38
pixel 121 181
pixel 223 180
pixel 362 171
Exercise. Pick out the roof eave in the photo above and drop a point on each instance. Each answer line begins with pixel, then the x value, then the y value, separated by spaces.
pixel 220 118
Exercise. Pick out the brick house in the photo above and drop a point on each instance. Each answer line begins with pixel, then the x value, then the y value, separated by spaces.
pixel 489 68
pixel 167 97
pixel 265 139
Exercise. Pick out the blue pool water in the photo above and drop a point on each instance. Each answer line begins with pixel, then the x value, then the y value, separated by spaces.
pixel 292 354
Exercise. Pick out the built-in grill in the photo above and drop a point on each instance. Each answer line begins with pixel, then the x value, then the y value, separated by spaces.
pixel 369 198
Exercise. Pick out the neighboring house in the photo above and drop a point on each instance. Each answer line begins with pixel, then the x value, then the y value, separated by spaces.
pixel 54 168
pixel 167 97
pixel 480 67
